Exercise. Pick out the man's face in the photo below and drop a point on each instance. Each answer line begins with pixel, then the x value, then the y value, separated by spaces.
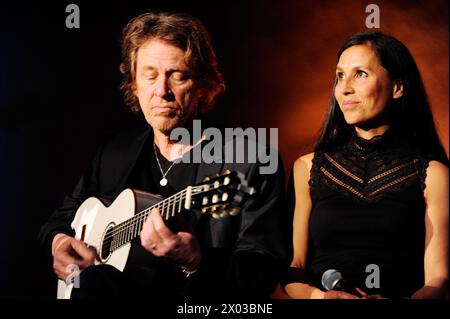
pixel 165 85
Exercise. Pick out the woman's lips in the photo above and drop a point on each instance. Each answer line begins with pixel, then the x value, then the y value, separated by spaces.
pixel 350 104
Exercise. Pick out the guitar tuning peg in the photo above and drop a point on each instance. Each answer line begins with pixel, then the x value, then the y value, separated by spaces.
pixel 215 215
pixel 224 197
pixel 226 181
pixel 223 214
pixel 237 198
pixel 234 211
pixel 227 172
pixel 215 198
pixel 248 190
pixel 206 179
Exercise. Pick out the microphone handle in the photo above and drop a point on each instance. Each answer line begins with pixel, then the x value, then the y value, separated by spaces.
pixel 351 290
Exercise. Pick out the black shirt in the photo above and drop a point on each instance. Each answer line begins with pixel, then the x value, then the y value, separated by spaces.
pixel 241 255
pixel 147 175
pixel 144 268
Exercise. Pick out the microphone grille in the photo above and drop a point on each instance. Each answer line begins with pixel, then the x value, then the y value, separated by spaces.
pixel 330 278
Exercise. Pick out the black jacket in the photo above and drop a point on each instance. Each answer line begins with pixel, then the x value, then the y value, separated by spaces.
pixel 242 255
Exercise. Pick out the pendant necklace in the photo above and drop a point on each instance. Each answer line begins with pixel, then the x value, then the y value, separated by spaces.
pixel 163 181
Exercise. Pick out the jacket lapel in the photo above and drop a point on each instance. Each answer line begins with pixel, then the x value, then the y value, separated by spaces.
pixel 122 157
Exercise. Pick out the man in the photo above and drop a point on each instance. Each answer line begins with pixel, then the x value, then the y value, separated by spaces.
pixel 170 76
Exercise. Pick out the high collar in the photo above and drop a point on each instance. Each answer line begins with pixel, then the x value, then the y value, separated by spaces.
pixel 369 146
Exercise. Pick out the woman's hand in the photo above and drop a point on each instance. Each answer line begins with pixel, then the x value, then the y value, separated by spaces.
pixel 335 294
pixel 367 296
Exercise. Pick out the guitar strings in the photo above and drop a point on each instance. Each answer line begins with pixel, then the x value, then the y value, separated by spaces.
pixel 144 214
pixel 138 217
pixel 122 230
pixel 127 229
pixel 197 190
pixel 141 216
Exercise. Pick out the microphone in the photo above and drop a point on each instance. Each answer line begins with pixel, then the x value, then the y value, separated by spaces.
pixel 333 280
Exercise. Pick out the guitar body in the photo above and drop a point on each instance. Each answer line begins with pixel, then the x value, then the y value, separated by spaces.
pixel 93 219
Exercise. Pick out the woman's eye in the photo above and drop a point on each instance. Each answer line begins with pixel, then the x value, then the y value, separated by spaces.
pixel 340 75
pixel 361 74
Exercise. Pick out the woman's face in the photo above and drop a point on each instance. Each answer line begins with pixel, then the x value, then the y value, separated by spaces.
pixel 363 89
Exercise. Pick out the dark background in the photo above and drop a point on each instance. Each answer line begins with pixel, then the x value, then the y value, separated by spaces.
pixel 59 92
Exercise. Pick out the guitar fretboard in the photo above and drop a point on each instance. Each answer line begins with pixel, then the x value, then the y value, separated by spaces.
pixel 130 229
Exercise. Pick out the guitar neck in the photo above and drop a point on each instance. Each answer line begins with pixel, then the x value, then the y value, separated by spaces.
pixel 130 229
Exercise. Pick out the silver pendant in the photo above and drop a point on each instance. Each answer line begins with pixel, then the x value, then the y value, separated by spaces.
pixel 163 182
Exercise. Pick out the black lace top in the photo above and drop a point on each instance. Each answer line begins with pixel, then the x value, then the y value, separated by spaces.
pixel 367 219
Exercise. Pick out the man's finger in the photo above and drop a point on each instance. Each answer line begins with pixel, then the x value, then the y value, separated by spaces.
pixel 83 251
pixel 149 237
pixel 160 228
pixel 64 259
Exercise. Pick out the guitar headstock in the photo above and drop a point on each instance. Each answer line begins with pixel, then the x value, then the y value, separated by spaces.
pixel 221 195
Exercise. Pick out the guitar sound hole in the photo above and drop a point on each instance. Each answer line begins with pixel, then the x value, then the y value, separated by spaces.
pixel 107 244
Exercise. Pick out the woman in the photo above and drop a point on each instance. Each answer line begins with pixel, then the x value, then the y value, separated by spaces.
pixel 372 200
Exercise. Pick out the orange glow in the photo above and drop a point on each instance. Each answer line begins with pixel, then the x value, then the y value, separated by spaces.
pixel 310 46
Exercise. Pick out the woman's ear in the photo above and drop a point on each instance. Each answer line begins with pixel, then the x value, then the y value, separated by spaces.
pixel 398 89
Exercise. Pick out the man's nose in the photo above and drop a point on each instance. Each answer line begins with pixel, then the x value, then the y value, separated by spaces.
pixel 162 88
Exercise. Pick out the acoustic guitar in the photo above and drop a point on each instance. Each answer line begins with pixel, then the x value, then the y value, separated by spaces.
pixel 109 229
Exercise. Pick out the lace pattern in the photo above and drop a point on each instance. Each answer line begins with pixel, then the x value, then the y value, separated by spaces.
pixel 365 170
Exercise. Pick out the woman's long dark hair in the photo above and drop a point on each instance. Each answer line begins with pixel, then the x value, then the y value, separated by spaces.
pixel 411 115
